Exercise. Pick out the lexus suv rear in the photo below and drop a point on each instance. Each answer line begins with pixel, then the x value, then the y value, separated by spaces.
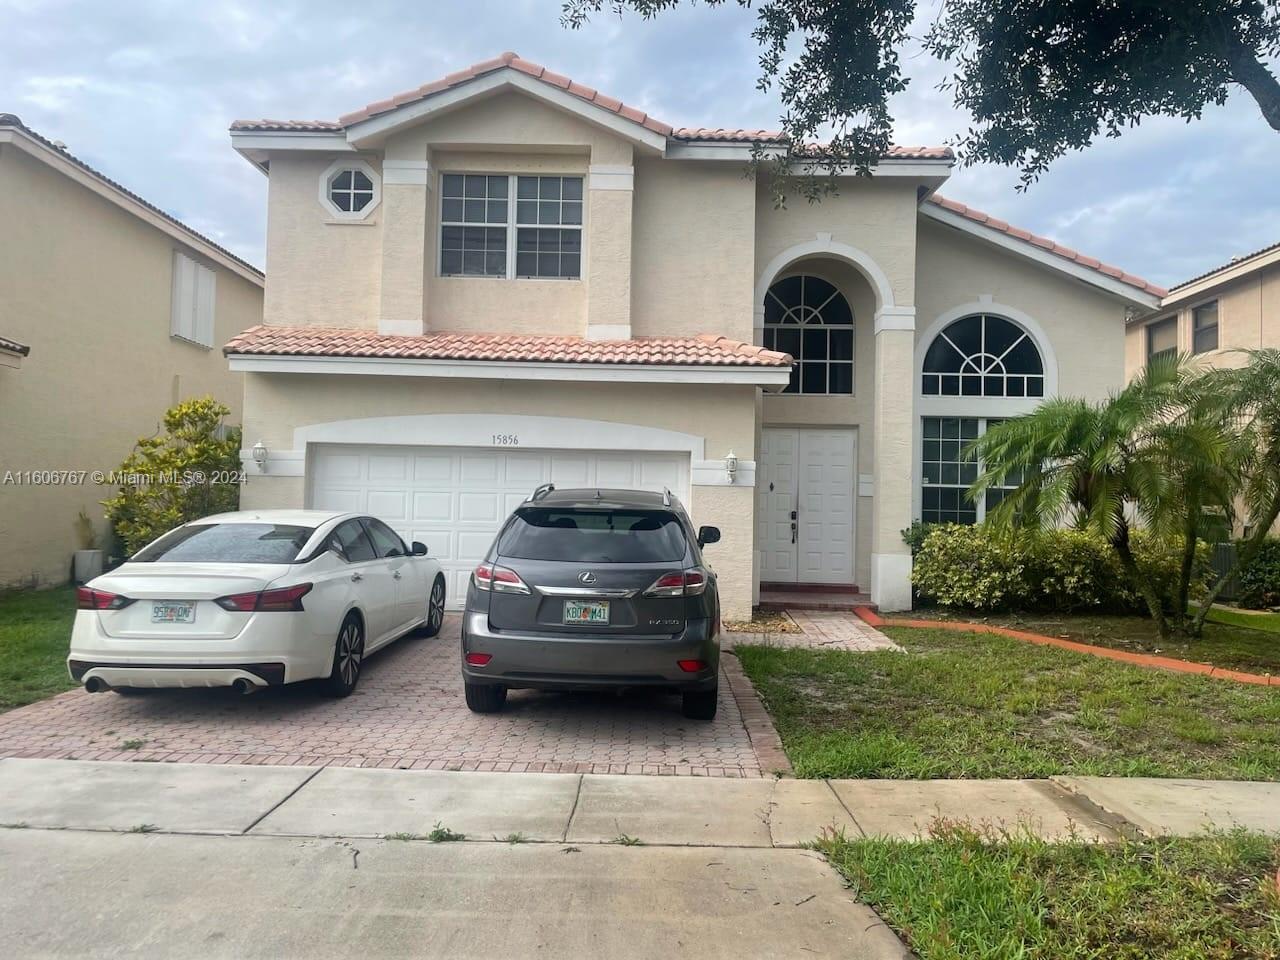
pixel 590 589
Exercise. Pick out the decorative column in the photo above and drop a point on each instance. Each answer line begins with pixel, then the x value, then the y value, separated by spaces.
pixel 894 456
pixel 607 250
pixel 405 191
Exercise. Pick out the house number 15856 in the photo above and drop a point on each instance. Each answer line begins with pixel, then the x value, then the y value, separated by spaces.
pixel 506 440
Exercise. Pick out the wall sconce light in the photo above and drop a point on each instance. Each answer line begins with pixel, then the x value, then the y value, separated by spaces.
pixel 260 456
pixel 731 466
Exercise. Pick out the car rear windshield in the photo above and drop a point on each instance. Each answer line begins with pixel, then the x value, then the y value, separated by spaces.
pixel 594 536
pixel 228 543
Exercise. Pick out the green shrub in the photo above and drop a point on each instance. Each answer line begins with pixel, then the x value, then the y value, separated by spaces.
pixel 1260 580
pixel 980 568
pixel 177 476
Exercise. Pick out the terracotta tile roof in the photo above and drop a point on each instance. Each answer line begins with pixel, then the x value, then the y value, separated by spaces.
pixel 705 350
pixel 13 346
pixel 12 121
pixel 994 223
pixel 579 90
pixel 1237 261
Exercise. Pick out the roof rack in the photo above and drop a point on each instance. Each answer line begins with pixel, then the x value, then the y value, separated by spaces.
pixel 540 491
pixel 666 497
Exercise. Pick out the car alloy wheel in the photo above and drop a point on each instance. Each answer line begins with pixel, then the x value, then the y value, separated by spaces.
pixel 348 655
pixel 435 608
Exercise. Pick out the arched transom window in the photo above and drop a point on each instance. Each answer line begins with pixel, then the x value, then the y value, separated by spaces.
pixel 983 356
pixel 810 319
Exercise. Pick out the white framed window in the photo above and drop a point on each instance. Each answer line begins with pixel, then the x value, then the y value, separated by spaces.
pixel 1204 327
pixel 192 302
pixel 350 190
pixel 511 226
pixel 946 472
pixel 983 355
pixel 810 319
pixel 1162 338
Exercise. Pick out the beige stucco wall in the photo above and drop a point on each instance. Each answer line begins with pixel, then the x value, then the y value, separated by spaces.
pixel 1084 325
pixel 1248 319
pixel 694 267
pixel 319 270
pixel 277 404
pixel 87 286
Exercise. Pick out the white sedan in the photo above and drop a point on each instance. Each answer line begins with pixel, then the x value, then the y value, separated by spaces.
pixel 253 599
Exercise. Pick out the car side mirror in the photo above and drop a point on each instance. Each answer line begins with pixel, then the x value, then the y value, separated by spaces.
pixel 419 549
pixel 708 535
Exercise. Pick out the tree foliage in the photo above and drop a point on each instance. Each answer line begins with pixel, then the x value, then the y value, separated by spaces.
pixel 1038 77
pixel 177 476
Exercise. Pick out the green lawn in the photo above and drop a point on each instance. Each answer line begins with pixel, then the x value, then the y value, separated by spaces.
pixel 980 705
pixel 35 631
pixel 1238 641
pixel 961 895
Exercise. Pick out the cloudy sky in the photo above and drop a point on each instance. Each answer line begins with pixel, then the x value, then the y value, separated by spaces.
pixel 145 90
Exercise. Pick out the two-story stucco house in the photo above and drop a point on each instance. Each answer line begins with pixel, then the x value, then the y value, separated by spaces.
pixel 111 311
pixel 506 277
pixel 1231 308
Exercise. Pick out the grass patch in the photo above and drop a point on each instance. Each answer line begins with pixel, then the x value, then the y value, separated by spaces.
pixel 35 634
pixel 442 834
pixel 965 893
pixel 626 841
pixel 979 705
pixel 1233 640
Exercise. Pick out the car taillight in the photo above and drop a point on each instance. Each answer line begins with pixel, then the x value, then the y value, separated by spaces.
pixel 692 666
pixel 687 583
pixel 479 659
pixel 89 599
pixel 489 576
pixel 281 599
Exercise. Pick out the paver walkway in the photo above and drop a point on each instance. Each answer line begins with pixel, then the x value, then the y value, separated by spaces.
pixel 825 630
pixel 407 712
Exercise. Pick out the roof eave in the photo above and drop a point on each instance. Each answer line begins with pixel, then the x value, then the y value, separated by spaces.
pixel 1232 272
pixel 373 130
pixel 769 377
pixel 1030 251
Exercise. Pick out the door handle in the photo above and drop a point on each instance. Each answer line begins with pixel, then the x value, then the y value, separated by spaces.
pixel 396 574
pixel 793 531
pixel 357 577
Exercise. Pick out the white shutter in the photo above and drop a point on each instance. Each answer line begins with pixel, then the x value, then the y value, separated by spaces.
pixel 194 294
pixel 184 282
pixel 204 304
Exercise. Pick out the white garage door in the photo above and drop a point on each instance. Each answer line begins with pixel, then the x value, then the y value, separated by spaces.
pixel 454 499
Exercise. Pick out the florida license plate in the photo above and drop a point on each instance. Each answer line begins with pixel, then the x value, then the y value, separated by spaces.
pixel 169 611
pixel 577 612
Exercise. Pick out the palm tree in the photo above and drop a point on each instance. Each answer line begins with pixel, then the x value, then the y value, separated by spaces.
pixel 1251 395
pixel 1147 455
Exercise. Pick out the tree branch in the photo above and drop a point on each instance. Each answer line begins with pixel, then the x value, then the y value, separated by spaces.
pixel 1252 74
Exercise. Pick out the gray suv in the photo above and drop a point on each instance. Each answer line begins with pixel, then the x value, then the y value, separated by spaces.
pixel 591 589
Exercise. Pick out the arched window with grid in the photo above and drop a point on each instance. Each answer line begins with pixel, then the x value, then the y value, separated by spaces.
pixel 983 355
pixel 810 319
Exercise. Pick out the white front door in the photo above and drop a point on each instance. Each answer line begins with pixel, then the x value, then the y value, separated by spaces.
pixel 454 499
pixel 805 488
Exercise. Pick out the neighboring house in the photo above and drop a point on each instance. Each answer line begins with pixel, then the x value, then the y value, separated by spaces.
pixel 1235 307
pixel 110 311
pixel 506 277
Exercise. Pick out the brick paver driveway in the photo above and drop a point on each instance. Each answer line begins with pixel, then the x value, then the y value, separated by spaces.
pixel 407 712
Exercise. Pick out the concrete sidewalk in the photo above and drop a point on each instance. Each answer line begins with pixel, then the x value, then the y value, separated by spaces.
pixel 600 809
pixel 140 859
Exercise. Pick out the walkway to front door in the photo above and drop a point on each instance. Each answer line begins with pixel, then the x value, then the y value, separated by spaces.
pixel 806 487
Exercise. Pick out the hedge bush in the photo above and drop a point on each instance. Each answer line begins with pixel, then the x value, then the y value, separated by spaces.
pixel 1260 580
pixel 979 568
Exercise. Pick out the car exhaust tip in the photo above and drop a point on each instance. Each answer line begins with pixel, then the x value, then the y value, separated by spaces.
pixel 243 687
pixel 95 685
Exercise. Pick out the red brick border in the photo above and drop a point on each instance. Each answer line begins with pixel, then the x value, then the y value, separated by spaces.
pixel 764 736
pixel 1137 659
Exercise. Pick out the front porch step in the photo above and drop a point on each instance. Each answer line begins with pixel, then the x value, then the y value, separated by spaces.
pixel 841 588
pixel 779 600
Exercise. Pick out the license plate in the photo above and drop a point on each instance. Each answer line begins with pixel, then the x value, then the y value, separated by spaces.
pixel 171 612
pixel 578 612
